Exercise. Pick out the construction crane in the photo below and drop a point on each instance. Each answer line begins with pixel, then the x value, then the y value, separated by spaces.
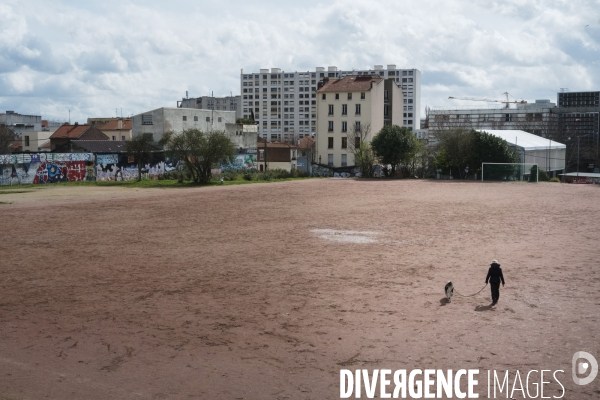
pixel 507 102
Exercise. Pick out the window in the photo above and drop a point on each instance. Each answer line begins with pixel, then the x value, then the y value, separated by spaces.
pixel 357 109
pixel 331 109
pixel 261 155
pixel 344 126
pixel 349 96
pixel 344 160
pixel 207 119
pixel 330 142
pixel 385 94
pixel 195 118
pixel 357 126
pixel 337 96
pixel 385 111
pixel 507 117
pixel 123 138
pixel 344 109
pixel 330 126
pixel 146 119
pixel 344 143
pixel 114 138
pixel 219 119
pixel 330 159
pixel 185 118
pixel 362 96
pixel 357 142
pixel 323 96
pixel 26 140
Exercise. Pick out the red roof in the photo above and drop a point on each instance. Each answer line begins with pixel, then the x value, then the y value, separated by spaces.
pixel 113 125
pixel 351 83
pixel 69 131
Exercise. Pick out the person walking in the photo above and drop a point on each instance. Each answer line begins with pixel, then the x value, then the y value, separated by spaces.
pixel 494 276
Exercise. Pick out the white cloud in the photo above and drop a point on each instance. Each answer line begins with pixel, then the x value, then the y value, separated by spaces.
pixel 138 55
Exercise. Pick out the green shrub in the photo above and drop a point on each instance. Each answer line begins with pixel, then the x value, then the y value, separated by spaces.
pixel 554 180
pixel 230 175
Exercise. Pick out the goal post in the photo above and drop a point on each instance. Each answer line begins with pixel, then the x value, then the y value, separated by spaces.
pixel 509 172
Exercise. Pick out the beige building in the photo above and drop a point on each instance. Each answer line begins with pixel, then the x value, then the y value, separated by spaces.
pixel 33 141
pixel 118 129
pixel 351 107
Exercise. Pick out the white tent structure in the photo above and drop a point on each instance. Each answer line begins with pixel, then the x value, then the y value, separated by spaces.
pixel 532 149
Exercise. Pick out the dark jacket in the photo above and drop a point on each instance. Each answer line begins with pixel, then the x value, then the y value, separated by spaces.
pixel 495 274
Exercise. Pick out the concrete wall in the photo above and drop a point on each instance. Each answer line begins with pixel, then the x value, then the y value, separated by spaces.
pixel 242 136
pixel 172 119
pixel 120 167
pixel 42 168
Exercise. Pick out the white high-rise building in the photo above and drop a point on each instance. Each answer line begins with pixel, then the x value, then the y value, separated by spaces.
pixel 284 104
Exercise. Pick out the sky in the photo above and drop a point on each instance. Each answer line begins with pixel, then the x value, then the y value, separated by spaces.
pixel 112 58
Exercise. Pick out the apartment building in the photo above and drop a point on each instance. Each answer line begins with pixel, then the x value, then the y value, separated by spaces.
pixel 284 103
pixel 538 118
pixel 20 123
pixel 165 119
pixel 579 115
pixel 227 103
pixel 351 108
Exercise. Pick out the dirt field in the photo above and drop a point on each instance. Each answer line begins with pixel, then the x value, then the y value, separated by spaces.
pixel 258 292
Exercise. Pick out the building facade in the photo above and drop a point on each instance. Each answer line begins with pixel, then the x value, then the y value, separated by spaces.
pixel 118 129
pixel 19 123
pixel 536 118
pixel 284 103
pixel 579 115
pixel 276 155
pixel 227 103
pixel 351 109
pixel 162 120
pixel 33 141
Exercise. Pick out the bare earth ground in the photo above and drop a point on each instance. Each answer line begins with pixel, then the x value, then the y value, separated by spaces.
pixel 243 292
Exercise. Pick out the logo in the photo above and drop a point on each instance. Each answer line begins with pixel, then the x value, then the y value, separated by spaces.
pixel 580 367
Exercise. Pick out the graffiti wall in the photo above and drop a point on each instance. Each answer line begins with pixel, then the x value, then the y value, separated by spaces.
pixel 120 167
pixel 243 160
pixel 42 168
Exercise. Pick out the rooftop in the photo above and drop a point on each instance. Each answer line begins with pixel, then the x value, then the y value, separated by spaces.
pixel 527 141
pixel 69 131
pixel 350 83
pixel 113 125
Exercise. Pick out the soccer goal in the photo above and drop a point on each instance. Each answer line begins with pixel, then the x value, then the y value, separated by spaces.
pixel 509 172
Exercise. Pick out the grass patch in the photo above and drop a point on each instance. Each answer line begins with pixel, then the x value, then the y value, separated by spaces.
pixel 147 183
pixel 5 202
pixel 13 192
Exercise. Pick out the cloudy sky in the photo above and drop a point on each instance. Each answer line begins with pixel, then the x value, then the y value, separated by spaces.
pixel 95 57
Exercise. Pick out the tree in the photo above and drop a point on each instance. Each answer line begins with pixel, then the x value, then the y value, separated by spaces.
pixel 200 151
pixel 364 158
pixel 395 145
pixel 455 150
pixel 140 147
pixel 462 151
pixel 7 137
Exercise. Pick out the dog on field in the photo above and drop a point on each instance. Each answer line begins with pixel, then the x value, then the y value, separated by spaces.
pixel 449 288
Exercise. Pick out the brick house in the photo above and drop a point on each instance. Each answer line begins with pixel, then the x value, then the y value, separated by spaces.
pixel 61 139
pixel 273 155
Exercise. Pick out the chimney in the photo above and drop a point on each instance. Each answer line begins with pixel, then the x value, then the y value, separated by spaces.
pixel 119 123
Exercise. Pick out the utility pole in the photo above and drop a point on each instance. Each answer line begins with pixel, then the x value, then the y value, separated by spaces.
pixel 577 156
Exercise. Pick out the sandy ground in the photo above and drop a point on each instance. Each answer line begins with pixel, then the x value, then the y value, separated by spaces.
pixel 259 292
